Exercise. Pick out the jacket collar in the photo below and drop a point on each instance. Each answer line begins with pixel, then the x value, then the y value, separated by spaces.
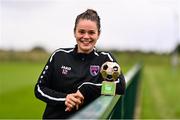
pixel 84 55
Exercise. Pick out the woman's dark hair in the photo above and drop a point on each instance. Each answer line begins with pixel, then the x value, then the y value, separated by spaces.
pixel 89 14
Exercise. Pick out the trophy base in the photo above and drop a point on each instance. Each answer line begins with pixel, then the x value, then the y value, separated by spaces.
pixel 108 88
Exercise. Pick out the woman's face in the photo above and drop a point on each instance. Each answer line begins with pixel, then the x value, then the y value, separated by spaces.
pixel 86 34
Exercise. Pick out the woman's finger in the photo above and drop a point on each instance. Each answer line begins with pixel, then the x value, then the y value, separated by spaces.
pixel 69 102
pixel 75 99
pixel 68 109
pixel 72 101
pixel 80 95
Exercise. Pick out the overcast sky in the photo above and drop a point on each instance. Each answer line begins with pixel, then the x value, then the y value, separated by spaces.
pixel 149 25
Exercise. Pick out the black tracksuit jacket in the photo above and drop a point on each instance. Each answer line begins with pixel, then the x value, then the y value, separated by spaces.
pixel 68 71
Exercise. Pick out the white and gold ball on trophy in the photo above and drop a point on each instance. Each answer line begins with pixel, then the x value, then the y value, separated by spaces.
pixel 110 71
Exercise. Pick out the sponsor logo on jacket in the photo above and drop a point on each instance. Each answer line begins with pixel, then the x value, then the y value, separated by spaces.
pixel 65 69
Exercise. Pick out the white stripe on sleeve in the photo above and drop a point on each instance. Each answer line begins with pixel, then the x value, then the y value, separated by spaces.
pixel 89 83
pixel 49 97
pixel 99 84
pixel 104 53
pixel 66 51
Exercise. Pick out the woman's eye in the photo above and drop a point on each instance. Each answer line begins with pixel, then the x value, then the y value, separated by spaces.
pixel 91 32
pixel 81 31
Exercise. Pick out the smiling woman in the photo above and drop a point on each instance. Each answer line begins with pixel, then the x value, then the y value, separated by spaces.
pixel 71 78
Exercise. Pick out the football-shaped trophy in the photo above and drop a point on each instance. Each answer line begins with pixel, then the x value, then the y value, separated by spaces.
pixel 110 72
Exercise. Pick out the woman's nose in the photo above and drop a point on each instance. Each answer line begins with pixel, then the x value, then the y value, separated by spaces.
pixel 86 35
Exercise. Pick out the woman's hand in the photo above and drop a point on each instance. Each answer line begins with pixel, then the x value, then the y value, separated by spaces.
pixel 74 100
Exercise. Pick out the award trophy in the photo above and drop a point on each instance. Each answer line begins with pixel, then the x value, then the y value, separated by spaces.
pixel 110 72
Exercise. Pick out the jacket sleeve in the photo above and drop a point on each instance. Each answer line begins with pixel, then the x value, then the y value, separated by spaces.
pixel 121 85
pixel 91 90
pixel 43 90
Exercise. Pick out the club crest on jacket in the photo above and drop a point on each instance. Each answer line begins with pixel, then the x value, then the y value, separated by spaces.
pixel 94 70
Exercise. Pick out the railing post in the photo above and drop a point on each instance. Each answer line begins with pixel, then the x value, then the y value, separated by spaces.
pixel 130 97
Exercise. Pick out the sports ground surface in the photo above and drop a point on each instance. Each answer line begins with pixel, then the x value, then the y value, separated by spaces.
pixel 159 89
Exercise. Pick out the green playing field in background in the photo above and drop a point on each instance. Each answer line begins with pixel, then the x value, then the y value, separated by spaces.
pixel 158 97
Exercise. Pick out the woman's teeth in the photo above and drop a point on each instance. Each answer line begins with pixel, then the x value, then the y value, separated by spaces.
pixel 86 41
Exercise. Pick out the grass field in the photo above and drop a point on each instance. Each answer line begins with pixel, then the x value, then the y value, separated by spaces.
pixel 159 89
pixel 160 92
pixel 17 80
pixel 158 98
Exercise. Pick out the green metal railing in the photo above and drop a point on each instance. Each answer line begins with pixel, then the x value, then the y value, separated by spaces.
pixel 115 107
